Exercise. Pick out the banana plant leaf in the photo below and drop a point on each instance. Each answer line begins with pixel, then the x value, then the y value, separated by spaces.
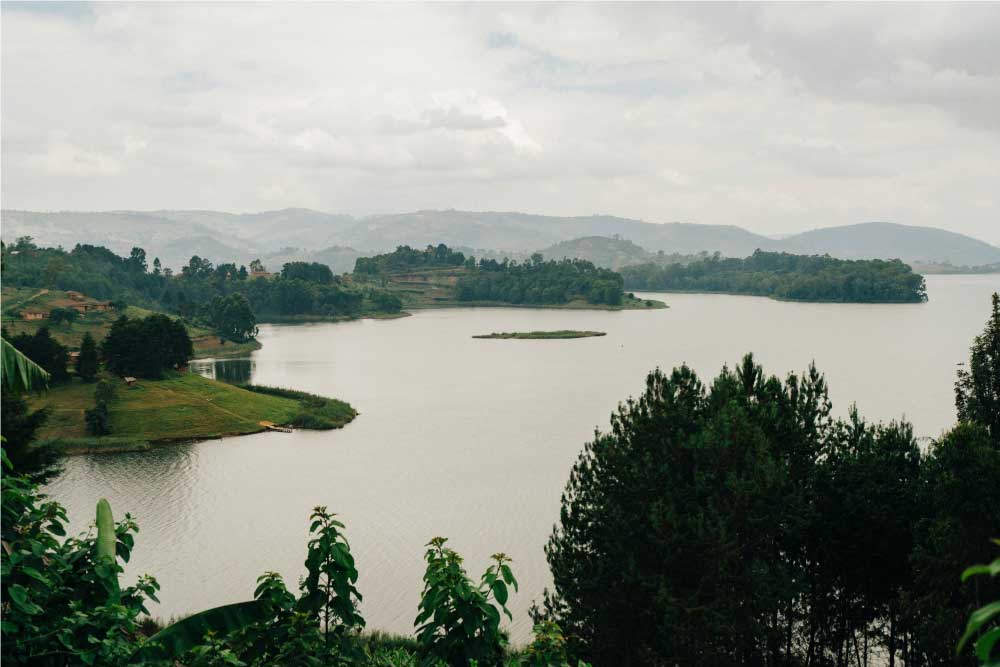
pixel 18 373
pixel 178 638
pixel 106 541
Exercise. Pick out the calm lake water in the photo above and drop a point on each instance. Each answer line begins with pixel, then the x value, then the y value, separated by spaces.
pixel 474 439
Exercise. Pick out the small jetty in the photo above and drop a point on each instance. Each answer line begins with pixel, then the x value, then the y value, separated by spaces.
pixel 271 426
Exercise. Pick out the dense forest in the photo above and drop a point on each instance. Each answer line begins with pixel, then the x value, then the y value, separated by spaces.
pixel 201 290
pixel 540 282
pixel 532 282
pixel 785 276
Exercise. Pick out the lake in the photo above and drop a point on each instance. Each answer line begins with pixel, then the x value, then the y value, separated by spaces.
pixel 474 439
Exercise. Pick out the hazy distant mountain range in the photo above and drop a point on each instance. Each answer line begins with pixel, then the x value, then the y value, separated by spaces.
pixel 279 236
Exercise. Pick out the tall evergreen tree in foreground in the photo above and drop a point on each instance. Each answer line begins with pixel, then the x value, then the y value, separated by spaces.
pixel 684 530
pixel 739 524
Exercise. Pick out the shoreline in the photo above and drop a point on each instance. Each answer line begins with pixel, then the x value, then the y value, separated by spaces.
pixel 656 305
pixel 84 446
pixel 775 298
pixel 184 408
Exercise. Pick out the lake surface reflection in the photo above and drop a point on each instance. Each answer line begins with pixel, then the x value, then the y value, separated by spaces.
pixel 233 371
pixel 474 439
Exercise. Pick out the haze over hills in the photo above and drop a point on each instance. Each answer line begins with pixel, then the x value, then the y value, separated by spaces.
pixel 911 243
pixel 287 234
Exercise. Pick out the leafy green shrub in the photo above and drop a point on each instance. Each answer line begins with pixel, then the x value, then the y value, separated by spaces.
pixel 61 602
pixel 385 650
pixel 98 420
pixel 459 625
pixel 105 391
pixel 548 648
pixel 321 627
pixel 984 621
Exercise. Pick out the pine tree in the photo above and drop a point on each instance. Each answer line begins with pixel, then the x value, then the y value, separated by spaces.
pixel 681 528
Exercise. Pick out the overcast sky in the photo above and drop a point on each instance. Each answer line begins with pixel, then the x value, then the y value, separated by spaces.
pixel 778 118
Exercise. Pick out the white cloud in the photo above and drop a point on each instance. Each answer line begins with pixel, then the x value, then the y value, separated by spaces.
pixel 776 117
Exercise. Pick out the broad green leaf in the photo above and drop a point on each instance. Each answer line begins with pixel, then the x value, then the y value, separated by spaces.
pixel 508 576
pixel 500 591
pixel 977 620
pixel 182 636
pixel 19 373
pixel 985 644
pixel 993 569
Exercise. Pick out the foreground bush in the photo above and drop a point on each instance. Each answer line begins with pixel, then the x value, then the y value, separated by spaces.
pixel 63 604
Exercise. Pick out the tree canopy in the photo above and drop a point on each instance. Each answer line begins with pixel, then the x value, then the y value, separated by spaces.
pixel 785 276
pixel 301 289
pixel 232 317
pixel 405 258
pixel 312 272
pixel 540 282
pixel 146 347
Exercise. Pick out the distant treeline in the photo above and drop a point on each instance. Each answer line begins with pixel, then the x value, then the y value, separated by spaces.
pixel 405 258
pixel 540 282
pixel 535 281
pixel 198 290
pixel 785 276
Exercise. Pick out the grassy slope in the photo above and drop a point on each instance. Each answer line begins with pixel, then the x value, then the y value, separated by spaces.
pixel 182 406
pixel 543 335
pixel 97 324
pixel 435 288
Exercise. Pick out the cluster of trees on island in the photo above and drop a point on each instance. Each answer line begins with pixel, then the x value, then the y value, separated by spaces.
pixel 785 276
pixel 730 523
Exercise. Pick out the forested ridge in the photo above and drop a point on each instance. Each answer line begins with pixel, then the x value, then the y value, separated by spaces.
pixel 533 282
pixel 229 298
pixel 539 282
pixel 785 276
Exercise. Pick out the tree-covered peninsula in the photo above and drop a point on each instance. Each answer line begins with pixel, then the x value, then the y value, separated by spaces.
pixel 132 390
pixel 785 276
pixel 439 276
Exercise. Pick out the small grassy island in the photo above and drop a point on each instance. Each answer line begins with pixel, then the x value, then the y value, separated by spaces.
pixel 542 335
pixel 181 406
